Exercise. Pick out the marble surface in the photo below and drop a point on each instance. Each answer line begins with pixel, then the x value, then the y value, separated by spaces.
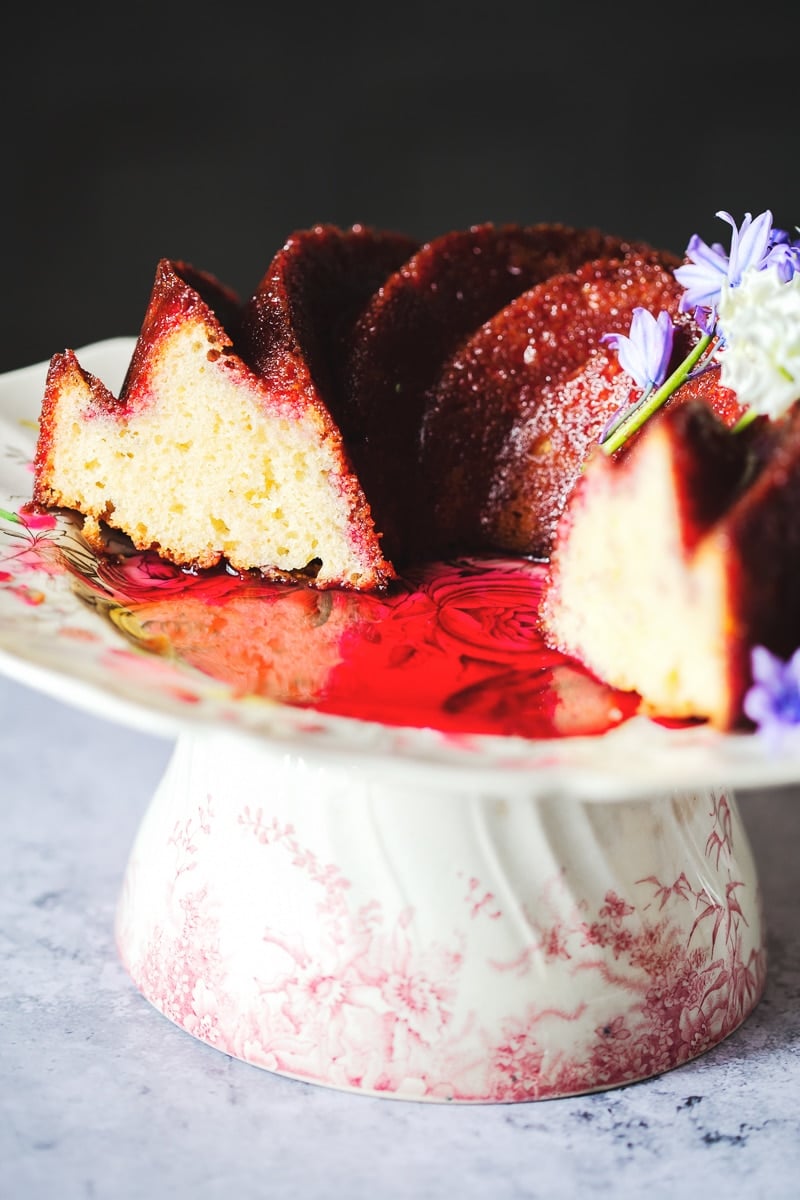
pixel 100 1096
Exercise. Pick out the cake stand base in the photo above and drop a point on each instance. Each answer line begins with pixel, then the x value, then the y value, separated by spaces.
pixel 431 934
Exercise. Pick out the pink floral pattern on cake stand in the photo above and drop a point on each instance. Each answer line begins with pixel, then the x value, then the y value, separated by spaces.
pixel 406 937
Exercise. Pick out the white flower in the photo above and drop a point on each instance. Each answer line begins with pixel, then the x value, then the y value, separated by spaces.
pixel 759 321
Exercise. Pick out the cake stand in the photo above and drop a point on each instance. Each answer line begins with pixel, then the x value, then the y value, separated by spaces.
pixel 437 911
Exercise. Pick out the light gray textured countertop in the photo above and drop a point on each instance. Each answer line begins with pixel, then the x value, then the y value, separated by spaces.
pixel 101 1096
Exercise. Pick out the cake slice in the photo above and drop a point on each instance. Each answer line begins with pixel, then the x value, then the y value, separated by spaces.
pixel 676 556
pixel 203 459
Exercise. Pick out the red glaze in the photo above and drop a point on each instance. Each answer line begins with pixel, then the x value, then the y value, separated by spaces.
pixel 452 646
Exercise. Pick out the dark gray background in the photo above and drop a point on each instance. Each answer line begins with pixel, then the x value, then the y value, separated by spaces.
pixel 210 134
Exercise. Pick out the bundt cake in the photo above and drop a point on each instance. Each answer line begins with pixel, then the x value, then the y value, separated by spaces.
pixel 677 555
pixel 202 457
pixel 378 402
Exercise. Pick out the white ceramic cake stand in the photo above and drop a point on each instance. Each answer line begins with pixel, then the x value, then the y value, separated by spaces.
pixel 434 933
pixel 395 911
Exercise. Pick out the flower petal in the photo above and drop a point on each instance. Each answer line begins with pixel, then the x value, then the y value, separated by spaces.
pixel 767 668
pixel 749 245
pixel 645 353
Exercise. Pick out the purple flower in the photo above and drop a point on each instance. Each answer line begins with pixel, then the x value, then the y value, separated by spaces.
pixel 646 351
pixel 773 701
pixel 749 245
pixel 703 276
pixel 783 254
pixel 710 267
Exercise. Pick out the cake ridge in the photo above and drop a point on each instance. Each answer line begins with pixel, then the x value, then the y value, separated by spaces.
pixel 420 316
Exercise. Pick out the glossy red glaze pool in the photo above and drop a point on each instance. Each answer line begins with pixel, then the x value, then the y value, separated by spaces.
pixel 453 645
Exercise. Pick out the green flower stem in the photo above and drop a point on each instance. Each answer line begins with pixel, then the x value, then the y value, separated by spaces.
pixel 623 415
pixel 10 516
pixel 646 409
pixel 744 420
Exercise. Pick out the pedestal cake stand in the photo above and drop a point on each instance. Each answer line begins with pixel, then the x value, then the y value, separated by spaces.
pixel 528 892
